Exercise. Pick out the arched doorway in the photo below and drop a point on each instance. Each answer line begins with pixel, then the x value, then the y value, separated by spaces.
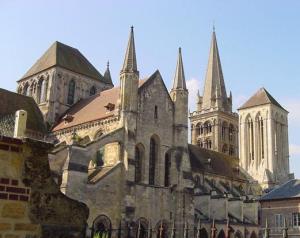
pixel 221 234
pixel 161 229
pixel 203 233
pixel 253 235
pixel 142 228
pixel 101 227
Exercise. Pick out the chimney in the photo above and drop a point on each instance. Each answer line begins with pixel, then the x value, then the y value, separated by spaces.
pixel 20 123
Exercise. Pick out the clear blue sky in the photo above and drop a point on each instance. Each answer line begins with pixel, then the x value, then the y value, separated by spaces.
pixel 258 42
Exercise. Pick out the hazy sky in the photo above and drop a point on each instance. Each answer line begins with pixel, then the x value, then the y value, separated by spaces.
pixel 258 43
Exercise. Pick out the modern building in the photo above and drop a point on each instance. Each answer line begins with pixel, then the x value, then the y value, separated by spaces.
pixel 281 209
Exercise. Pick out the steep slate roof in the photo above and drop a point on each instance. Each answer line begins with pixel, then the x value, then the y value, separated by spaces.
pixel 288 190
pixel 92 108
pixel 12 102
pixel 261 97
pixel 221 164
pixel 66 57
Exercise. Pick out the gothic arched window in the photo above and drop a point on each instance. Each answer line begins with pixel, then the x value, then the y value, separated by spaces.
pixel 139 156
pixel 209 144
pixel 231 150
pixel 44 90
pixel 71 92
pixel 100 157
pixel 250 138
pixel 152 160
pixel 198 129
pixel 260 126
pixel 231 133
pixel 223 132
pixel 26 90
pixel 93 90
pixel 167 170
pixel 155 112
pixel 224 148
pixel 39 90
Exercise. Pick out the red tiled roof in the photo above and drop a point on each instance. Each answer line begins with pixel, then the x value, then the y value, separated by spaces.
pixel 91 109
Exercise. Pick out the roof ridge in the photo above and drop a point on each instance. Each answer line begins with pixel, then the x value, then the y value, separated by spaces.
pixel 261 97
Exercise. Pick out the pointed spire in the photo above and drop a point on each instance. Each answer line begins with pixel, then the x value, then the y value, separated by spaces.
pixel 107 76
pixel 130 64
pixel 214 81
pixel 179 79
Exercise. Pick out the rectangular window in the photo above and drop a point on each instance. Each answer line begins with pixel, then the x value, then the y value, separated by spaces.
pixel 296 219
pixel 279 220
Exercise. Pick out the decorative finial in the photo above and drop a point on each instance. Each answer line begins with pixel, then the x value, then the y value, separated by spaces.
pixel 214 28
pixel 131 28
pixel 180 50
pixel 107 64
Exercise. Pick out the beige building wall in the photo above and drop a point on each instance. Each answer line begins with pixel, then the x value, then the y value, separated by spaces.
pixel 264 151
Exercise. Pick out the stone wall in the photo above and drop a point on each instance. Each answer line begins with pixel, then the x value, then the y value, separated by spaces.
pixel 31 204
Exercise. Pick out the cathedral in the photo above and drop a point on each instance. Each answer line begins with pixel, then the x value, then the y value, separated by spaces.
pixel 124 150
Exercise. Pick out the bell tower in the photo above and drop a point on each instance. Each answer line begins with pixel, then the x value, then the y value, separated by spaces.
pixel 214 126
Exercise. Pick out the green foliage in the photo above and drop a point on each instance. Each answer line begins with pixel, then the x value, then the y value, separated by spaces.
pixel 101 234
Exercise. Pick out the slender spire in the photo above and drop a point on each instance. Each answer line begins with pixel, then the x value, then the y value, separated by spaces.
pixel 179 79
pixel 107 76
pixel 130 64
pixel 214 81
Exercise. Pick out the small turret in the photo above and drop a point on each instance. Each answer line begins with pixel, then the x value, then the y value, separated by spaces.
pixel 129 78
pixel 199 101
pixel 179 95
pixel 107 75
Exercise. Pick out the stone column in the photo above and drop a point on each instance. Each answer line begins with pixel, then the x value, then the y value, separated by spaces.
pixel 193 134
pixel 217 135
pixel 242 145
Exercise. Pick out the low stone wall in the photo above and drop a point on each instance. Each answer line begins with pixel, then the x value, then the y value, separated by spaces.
pixel 31 204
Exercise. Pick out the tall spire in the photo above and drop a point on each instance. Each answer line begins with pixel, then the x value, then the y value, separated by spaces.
pixel 179 79
pixel 130 64
pixel 214 86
